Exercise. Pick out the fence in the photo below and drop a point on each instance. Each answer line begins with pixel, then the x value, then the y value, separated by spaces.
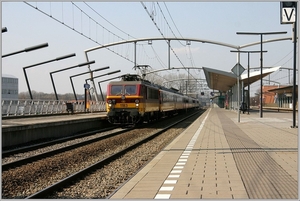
pixel 40 107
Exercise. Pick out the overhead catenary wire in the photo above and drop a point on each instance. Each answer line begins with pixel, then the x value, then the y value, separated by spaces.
pixel 129 35
pixel 81 32
pixel 144 6
pixel 158 28
pixel 108 21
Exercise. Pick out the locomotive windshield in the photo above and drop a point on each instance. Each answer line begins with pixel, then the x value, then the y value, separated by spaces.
pixel 126 90
pixel 116 89
pixel 130 89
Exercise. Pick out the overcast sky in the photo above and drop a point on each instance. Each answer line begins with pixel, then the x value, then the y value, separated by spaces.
pixel 87 25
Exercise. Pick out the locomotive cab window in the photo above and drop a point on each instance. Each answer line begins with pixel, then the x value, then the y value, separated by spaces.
pixel 116 89
pixel 130 89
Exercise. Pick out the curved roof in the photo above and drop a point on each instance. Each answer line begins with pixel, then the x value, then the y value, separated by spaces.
pixel 223 81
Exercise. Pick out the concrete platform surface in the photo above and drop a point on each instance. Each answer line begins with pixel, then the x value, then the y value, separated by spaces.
pixel 10 122
pixel 218 157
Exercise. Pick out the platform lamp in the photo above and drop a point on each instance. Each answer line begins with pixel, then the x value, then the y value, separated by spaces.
pixel 98 69
pixel 261 59
pixel 27 49
pixel 110 73
pixel 106 81
pixel 248 52
pixel 56 59
pixel 78 65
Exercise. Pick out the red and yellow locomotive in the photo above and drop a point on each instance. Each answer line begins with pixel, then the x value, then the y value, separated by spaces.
pixel 134 100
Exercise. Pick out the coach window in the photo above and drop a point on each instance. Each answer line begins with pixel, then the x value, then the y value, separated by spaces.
pixel 116 89
pixel 130 89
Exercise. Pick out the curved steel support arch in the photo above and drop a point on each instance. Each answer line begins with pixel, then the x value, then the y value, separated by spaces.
pixel 152 39
pixel 166 39
pixel 172 38
pixel 265 41
pixel 173 68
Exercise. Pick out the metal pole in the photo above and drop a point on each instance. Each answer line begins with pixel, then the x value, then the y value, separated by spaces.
pixel 96 96
pixel 27 49
pixel 64 69
pixel 261 59
pixel 294 63
pixel 101 91
pixel 188 83
pixel 169 49
pixel 73 88
pixel 53 86
pixel 57 59
pixel 261 78
pixel 238 86
pixel 134 54
pixel 248 82
pixel 85 100
pixel 98 69
pixel 88 90
pixel 186 87
pixel 248 52
pixel 27 82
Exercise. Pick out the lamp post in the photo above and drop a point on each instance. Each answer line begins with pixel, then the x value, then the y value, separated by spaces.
pixel 78 65
pixel 27 49
pixel 248 52
pixel 56 59
pixel 83 74
pixel 113 72
pixel 261 60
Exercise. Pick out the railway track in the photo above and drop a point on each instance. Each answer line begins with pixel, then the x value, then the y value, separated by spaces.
pixel 40 154
pixel 108 149
pixel 34 146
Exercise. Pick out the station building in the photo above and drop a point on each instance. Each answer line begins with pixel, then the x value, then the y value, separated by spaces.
pixel 10 87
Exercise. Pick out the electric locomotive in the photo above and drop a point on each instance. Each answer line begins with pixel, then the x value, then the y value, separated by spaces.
pixel 133 100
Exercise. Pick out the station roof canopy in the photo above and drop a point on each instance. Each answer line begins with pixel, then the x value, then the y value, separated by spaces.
pixel 284 89
pixel 223 81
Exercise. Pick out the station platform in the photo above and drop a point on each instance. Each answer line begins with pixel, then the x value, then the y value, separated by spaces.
pixel 33 120
pixel 21 130
pixel 218 157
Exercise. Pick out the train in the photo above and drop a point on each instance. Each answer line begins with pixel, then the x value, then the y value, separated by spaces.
pixel 134 100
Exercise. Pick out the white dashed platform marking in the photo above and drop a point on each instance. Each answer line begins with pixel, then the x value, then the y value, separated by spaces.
pixel 179 165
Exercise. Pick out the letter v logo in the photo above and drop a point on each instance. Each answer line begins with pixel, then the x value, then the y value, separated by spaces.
pixel 289 15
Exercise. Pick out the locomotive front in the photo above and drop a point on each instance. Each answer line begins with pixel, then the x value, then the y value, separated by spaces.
pixel 123 102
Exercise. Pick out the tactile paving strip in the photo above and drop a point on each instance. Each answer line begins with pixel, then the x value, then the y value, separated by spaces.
pixel 262 176
pixel 206 169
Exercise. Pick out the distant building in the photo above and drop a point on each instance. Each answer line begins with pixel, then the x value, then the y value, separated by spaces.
pixel 10 87
pixel 268 95
pixel 284 96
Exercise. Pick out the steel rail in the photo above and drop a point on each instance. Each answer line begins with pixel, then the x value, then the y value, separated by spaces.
pixel 6 153
pixel 60 184
pixel 57 151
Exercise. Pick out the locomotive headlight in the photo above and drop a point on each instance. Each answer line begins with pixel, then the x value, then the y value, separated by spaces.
pixel 109 103
pixel 137 103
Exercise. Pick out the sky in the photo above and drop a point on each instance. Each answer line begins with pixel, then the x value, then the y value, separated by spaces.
pixel 76 27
